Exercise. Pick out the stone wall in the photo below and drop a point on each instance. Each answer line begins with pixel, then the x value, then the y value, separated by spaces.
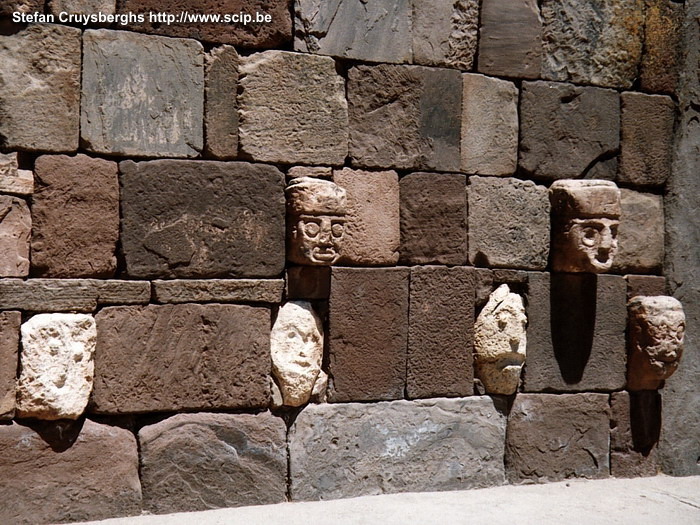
pixel 144 249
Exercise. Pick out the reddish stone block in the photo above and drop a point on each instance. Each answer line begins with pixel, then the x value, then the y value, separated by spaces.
pixel 9 344
pixel 662 60
pixel 634 433
pixel 220 104
pixel 308 282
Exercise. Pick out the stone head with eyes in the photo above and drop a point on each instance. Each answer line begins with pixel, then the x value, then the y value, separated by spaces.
pixel 316 219
pixel 585 219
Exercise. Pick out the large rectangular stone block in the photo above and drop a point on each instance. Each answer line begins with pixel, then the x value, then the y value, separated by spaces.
pixel 662 61
pixel 634 433
pixel 348 450
pixel 440 332
pixel 175 357
pixel 576 333
pixel 219 291
pixel 196 219
pixel 368 333
pixel 9 345
pixel 148 107
pixel 15 231
pixel 640 236
pixel 220 102
pixel 193 462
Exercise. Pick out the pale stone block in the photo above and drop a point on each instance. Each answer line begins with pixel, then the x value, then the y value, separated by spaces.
pixel 15 231
pixel 12 179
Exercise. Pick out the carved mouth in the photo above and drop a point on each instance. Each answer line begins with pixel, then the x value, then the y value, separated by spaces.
pixel 324 254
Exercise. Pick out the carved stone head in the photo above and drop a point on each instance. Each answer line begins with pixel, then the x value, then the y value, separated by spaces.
pixel 499 342
pixel 656 331
pixel 585 218
pixel 315 221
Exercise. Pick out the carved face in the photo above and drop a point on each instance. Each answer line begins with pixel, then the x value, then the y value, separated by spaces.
pixel 660 343
pixel 316 239
pixel 593 243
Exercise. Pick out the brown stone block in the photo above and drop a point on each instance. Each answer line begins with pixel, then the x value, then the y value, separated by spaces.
pixel 645 285
pixel 193 462
pixel 662 61
pixel 440 332
pixel 175 357
pixel 9 345
pixel 554 437
pixel 634 433
pixel 62 472
pixel 640 235
pixel 15 230
pixel 220 103
pixel 219 291
pixel 433 218
pixel 368 333
pixel 486 281
pixel 308 282
pixel 576 333
pixel 7 7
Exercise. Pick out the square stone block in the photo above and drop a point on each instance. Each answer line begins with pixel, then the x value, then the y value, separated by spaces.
pixel 640 236
pixel 220 102
pixel 405 117
pixel 576 333
pixel 662 61
pixel 440 332
pixel 198 219
pixel 555 437
pixel 634 433
pixel 15 230
pixel 9 345
pixel 368 333
pixel 181 357
pixel 508 223
pixel 645 285
pixel 149 107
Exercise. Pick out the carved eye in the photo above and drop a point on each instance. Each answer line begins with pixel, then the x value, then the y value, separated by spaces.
pixel 590 236
pixel 337 229
pixel 311 229
pixel 613 230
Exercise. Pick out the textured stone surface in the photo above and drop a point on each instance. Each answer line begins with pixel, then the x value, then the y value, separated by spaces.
pixel 75 217
pixel 645 285
pixel 308 282
pixel 486 282
pixel 510 42
pixel 202 219
pixel 433 218
pixel 568 131
pixel 372 232
pixel 86 7
pixel 662 61
pixel 489 125
pixel 641 233
pixel 292 109
pixel 148 107
pixel 12 179
pixel 405 117
pixel 9 345
pixel 296 347
pixel 445 33
pixel 77 470
pixel 375 31
pixel 592 43
pixel 175 357
pixel 321 172
pixel 15 230
pixel 440 332
pixel 508 223
pixel 219 291
pixel 368 333
pixel 634 431
pixel 348 450
pixel 555 437
pixel 195 462
pixel 56 375
pixel 576 336
pixel 40 99
pixel 647 139
pixel 7 7
pixel 255 35
pixel 220 106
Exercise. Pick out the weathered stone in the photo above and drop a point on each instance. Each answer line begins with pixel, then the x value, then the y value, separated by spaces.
pixel 83 7
pixel 445 33
pixel 321 172
pixel 296 347
pixel 508 223
pixel 40 99
pixel 175 357
pixel 196 219
pixel 348 450
pixel 568 131
pixel 489 125
pixel 433 218
pixel 634 431
pixel 66 295
pixel 510 41
pixel 7 7
pixel 500 342
pixel 320 392
pixel 57 366
pixel 148 107
pixel 12 179
pixel 596 43
pixel 375 31
pixel 440 332
pixel 641 233
pixel 308 282
pixel 15 230
pixel 75 217
pixel 373 228
pixel 292 109
pixel 193 462
pixel 645 285
pixel 555 437
pixel 368 333
pixel 662 60
pixel 219 291
pixel 576 333
pixel 405 117
pixel 9 343
pixel 486 282
pixel 647 139
pixel 256 34
pixel 585 222
pixel 220 105
pixel 58 472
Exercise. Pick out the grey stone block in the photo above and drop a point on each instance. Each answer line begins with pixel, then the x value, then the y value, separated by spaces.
pixel 645 285
pixel 640 236
pixel 219 291
pixel 634 432
pixel 220 105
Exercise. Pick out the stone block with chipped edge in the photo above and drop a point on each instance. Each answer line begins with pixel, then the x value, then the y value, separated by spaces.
pixel 218 291
pixel 12 179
